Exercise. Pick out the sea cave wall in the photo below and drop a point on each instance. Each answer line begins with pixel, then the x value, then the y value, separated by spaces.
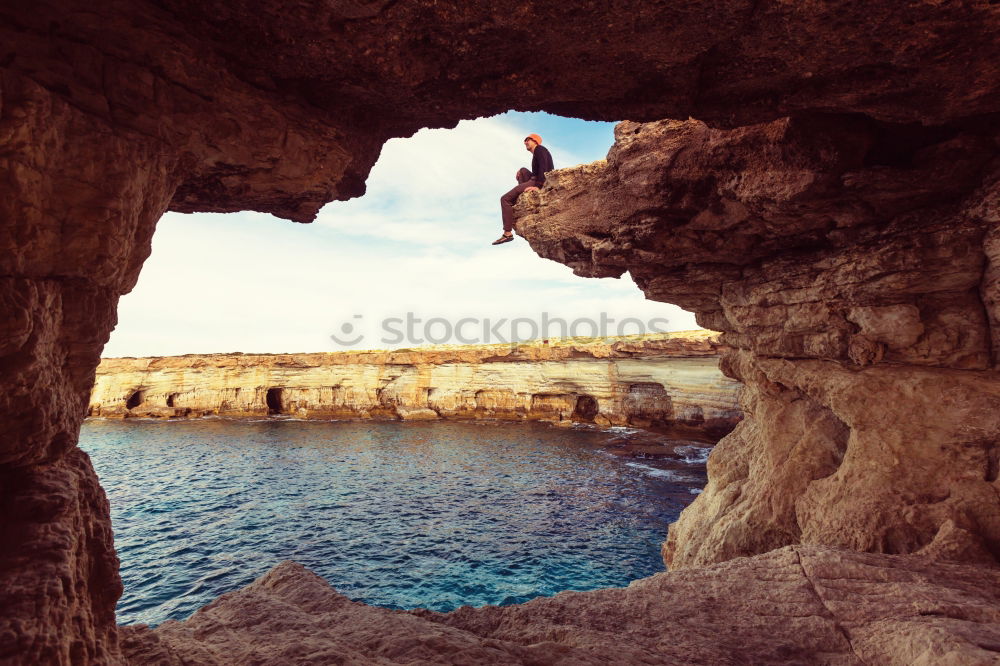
pixel 835 216
pixel 851 267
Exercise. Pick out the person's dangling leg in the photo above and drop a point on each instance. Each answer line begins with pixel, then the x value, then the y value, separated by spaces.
pixel 507 202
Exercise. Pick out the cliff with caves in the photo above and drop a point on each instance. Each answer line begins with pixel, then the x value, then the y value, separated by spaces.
pixel 833 210
pixel 671 383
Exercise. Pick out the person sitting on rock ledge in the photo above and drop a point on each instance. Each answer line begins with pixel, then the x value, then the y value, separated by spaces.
pixel 541 163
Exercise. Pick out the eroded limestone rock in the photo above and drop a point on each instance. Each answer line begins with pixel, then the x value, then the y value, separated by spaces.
pixel 850 265
pixel 885 459
pixel 59 578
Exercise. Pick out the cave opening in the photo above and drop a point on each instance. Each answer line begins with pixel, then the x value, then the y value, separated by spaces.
pixel 274 400
pixel 356 240
pixel 135 399
pixel 586 408
pixel 467 269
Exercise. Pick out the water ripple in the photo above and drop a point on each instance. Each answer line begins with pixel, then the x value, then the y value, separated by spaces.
pixel 401 515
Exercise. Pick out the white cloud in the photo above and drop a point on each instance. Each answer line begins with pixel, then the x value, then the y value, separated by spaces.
pixel 439 180
pixel 418 241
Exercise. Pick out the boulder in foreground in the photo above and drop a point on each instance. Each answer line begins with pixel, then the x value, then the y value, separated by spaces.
pixel 796 605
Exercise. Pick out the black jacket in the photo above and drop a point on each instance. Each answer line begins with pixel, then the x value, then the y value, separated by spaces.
pixel 541 162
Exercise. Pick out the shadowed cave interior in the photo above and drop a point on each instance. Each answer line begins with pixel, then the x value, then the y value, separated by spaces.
pixel 585 409
pixel 135 399
pixel 273 400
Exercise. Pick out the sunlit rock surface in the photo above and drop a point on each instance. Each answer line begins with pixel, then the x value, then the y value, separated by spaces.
pixel 670 382
pixel 850 266
pixel 797 605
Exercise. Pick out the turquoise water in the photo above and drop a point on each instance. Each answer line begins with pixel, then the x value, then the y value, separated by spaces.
pixel 403 515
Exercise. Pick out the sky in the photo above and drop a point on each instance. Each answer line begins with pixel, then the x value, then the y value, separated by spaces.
pixel 409 263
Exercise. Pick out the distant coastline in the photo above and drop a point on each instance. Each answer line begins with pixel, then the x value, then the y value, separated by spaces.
pixel 669 382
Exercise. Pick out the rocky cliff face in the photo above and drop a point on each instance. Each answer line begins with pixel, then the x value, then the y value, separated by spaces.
pixel 57 514
pixel 669 384
pixel 850 265
pixel 839 223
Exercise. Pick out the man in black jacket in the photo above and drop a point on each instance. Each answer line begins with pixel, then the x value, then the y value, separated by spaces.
pixel 541 163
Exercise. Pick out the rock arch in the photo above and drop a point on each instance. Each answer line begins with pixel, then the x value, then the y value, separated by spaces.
pixel 841 271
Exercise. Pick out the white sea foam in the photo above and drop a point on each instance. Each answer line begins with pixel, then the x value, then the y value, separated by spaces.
pixel 693 454
pixel 669 474
pixel 622 430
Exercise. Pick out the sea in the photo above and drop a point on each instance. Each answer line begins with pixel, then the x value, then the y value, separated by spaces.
pixel 401 515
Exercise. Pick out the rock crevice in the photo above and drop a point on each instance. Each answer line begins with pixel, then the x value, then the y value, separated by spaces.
pixel 827 611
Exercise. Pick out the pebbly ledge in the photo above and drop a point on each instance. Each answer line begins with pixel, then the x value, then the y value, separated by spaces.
pixel 795 605
pixel 671 383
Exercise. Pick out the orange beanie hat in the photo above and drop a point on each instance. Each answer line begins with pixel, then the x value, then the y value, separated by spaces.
pixel 537 139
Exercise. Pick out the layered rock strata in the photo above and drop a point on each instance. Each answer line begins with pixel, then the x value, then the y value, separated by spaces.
pixel 797 605
pixel 668 383
pixel 113 112
pixel 850 266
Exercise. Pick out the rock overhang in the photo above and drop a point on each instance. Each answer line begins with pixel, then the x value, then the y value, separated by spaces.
pixel 280 107
pixel 852 267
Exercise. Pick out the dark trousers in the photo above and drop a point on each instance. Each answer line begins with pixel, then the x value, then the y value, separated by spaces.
pixel 508 200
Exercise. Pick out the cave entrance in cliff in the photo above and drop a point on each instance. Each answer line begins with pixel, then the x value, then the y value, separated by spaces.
pixel 275 401
pixel 586 409
pixel 136 399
